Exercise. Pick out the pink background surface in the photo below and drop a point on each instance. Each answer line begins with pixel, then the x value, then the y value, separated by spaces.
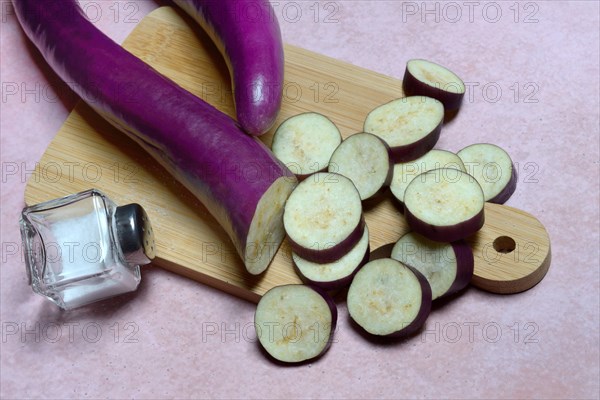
pixel 156 343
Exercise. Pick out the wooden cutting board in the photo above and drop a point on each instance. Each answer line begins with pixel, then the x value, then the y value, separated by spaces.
pixel 512 251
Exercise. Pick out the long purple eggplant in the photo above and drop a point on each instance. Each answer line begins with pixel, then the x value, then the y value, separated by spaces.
pixel 248 36
pixel 234 175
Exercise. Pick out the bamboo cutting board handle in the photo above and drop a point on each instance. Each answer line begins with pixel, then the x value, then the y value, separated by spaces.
pixel 512 250
pixel 87 152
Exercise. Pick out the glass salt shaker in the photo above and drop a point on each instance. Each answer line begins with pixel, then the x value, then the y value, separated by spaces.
pixel 83 248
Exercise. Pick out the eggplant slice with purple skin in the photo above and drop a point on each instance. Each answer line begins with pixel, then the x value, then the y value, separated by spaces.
pixel 295 323
pixel 493 169
pixel 389 299
pixel 305 143
pixel 411 126
pixel 248 36
pixel 323 217
pixel 234 175
pixel 337 274
pixel 448 267
pixel 444 205
pixel 425 78
pixel 404 173
pixel 366 160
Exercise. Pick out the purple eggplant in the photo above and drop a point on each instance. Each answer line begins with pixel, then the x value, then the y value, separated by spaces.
pixel 248 36
pixel 234 175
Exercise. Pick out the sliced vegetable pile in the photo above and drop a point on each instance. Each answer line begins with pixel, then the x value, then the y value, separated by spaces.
pixel 441 194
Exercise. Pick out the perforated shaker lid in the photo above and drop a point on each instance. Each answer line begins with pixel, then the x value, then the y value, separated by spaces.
pixel 135 234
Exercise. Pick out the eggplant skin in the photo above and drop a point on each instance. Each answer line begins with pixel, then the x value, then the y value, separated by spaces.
pixel 204 149
pixel 414 87
pixel 248 36
pixel 508 190
pixel 450 233
pixel 338 283
pixel 423 314
pixel 412 151
pixel 408 328
pixel 333 253
pixel 465 264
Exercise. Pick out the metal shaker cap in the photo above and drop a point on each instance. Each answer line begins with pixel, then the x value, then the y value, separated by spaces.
pixel 135 234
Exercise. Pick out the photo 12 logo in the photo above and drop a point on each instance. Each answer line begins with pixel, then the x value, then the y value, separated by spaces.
pixel 69 332
pixel 453 12
pixel 54 252
pixel 43 92
pixel 290 92
pixel 69 171
pixel 325 12
pixel 488 332
pixel 494 92
pixel 251 332
pixel 127 12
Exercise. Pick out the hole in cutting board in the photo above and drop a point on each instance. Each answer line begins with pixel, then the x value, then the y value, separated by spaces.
pixel 504 244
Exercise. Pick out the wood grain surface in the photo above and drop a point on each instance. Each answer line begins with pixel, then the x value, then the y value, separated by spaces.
pixel 88 152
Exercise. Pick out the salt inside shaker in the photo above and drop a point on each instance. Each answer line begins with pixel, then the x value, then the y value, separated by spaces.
pixel 83 248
